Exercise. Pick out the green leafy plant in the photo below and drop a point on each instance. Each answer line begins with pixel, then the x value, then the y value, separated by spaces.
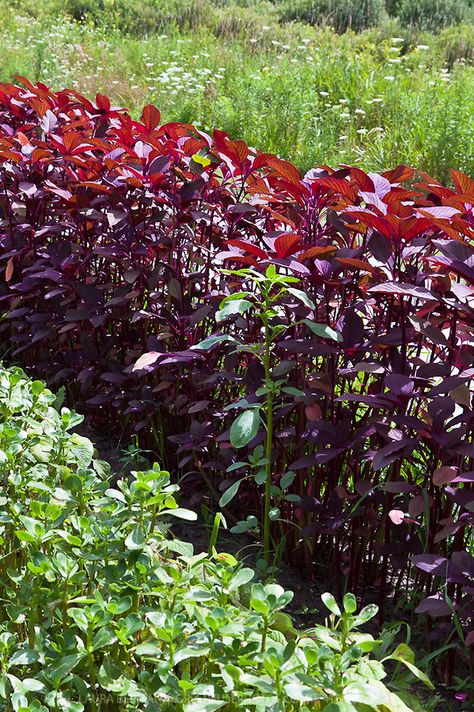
pixel 102 608
pixel 264 298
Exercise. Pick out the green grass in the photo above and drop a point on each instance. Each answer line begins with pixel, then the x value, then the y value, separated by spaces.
pixel 377 98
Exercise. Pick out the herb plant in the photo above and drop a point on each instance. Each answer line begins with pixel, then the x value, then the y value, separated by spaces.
pixel 102 608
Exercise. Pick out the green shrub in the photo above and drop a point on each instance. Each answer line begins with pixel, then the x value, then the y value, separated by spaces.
pixel 433 15
pixel 343 15
pixel 102 609
pixel 153 15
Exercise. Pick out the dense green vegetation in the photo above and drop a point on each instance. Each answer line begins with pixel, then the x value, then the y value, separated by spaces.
pixel 392 93
pixel 103 609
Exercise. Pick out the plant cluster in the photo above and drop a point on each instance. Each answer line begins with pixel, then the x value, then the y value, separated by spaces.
pixel 340 337
pixel 342 15
pixel 103 609
pixel 357 15
pixel 387 95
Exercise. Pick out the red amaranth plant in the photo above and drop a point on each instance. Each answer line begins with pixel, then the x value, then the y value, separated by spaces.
pixel 113 233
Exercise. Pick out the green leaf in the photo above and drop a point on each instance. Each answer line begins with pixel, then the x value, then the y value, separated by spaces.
pixel 103 638
pixel 349 602
pixel 245 428
pixel 374 694
pixel 340 706
pixel 231 307
pixel 229 494
pixel 32 685
pixel 136 539
pixel 241 578
pixel 190 652
pixel 203 704
pixel 404 654
pixel 371 669
pixel 366 614
pixel 26 656
pixel 82 449
pixel 23 535
pixel 181 513
pixel 211 341
pixel 59 669
pixel 149 650
pixel 302 297
pixel 201 160
pixel 287 479
pixel 323 330
pixel 302 693
pixel 330 603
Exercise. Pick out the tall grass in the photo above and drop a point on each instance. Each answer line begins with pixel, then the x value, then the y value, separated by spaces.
pixel 377 98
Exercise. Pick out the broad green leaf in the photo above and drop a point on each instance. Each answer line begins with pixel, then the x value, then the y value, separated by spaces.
pixel 149 650
pixel 23 657
pixel 366 614
pixel 232 307
pixel 104 637
pixel 190 652
pixel 303 693
pixel 136 539
pixel 211 341
pixel 62 667
pixel 375 694
pixel 323 330
pixel 245 428
pixel 349 602
pixel 242 577
pixel 330 603
pixel 302 297
pixel 81 449
pixel 371 669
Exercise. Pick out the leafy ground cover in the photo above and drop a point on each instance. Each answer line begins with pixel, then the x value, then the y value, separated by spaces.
pixel 298 346
pixel 102 608
pixel 390 94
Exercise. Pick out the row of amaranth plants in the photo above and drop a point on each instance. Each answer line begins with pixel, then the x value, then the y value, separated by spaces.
pixel 173 280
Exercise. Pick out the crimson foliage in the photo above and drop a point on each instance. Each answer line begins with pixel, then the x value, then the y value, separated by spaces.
pixel 112 233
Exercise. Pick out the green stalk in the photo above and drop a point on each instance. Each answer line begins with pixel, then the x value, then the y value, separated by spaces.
pixel 268 441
